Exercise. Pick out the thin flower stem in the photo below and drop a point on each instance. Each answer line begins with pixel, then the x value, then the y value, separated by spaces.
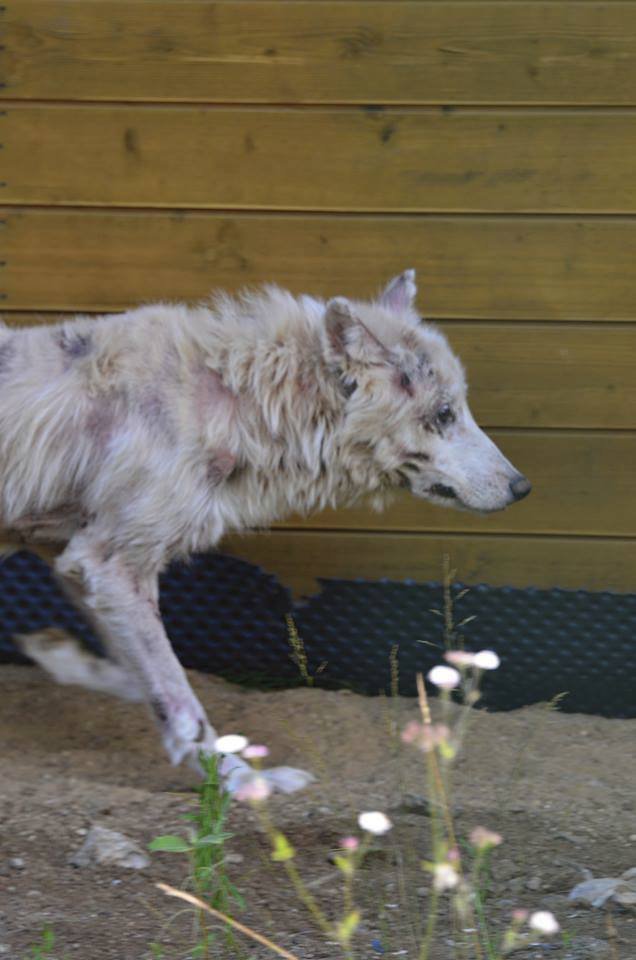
pixel 433 764
pixel 430 925
pixel 307 898
pixel 440 791
pixel 201 905
pixel 303 893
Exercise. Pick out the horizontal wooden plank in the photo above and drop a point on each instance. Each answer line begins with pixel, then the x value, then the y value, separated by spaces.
pixel 583 483
pixel 528 374
pixel 311 52
pixel 505 268
pixel 562 375
pixel 300 558
pixel 354 159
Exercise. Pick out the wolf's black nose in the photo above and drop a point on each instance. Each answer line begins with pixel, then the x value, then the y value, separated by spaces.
pixel 520 487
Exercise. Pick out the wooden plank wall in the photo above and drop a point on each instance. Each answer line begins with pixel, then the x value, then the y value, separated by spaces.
pixel 158 148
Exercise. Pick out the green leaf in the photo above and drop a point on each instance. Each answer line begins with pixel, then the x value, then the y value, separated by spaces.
pixel 234 893
pixel 48 938
pixel 344 864
pixel 211 839
pixel 283 849
pixel 170 844
pixel 348 926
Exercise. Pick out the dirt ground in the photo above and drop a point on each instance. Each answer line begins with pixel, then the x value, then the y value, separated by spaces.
pixel 559 788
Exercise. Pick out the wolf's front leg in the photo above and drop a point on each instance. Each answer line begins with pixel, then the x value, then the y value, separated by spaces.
pixel 123 605
pixel 124 609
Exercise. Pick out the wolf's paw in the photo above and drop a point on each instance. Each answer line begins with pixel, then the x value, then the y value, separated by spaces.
pixel 238 774
pixel 185 733
pixel 187 739
pixel 68 661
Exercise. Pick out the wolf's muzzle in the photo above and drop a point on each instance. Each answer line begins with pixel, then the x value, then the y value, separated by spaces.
pixel 520 487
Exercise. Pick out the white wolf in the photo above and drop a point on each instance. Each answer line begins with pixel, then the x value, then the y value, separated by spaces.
pixel 129 440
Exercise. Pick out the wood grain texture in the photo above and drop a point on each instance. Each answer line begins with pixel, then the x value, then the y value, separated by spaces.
pixel 300 558
pixel 312 52
pixel 583 483
pixel 562 375
pixel 508 268
pixel 528 374
pixel 327 159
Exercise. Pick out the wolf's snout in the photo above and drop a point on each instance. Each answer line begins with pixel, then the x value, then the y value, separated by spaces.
pixel 520 487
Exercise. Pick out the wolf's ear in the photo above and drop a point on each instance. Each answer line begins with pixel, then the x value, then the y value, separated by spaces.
pixel 348 338
pixel 400 292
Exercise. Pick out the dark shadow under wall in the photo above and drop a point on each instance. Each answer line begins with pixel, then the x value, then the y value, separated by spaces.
pixel 228 617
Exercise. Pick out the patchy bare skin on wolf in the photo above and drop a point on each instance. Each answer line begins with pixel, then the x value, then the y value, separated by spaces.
pixel 101 420
pixel 220 466
pixel 74 344
pixel 184 424
pixel 155 412
pixel 212 397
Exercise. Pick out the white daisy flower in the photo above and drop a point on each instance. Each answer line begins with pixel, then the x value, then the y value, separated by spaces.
pixel 374 821
pixel 486 660
pixel 446 678
pixel 230 743
pixel 544 922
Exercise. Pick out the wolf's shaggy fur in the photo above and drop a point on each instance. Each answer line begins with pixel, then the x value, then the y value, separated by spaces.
pixel 133 439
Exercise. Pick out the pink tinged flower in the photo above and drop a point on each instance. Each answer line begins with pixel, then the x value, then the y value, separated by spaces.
pixel 254 790
pixel 483 839
pixel 374 821
pixel 230 743
pixel 446 678
pixel 486 660
pixel 350 843
pixel 543 922
pixel 445 877
pixel 425 736
pixel 255 751
pixel 412 731
pixel 519 915
pixel 459 658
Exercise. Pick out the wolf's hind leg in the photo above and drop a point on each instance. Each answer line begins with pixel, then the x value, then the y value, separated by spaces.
pixel 69 662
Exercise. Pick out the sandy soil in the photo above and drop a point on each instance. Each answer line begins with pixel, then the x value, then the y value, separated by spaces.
pixel 559 787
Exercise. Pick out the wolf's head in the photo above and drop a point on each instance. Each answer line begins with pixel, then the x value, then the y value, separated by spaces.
pixel 407 410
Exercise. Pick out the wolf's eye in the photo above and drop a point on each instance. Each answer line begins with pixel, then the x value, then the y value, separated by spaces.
pixel 445 415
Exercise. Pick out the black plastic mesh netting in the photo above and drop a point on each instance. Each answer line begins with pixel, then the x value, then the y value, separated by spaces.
pixel 228 617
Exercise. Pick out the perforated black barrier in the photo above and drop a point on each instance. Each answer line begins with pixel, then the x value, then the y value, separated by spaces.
pixel 228 617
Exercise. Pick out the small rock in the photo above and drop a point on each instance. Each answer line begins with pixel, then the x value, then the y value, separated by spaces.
pixel 234 858
pixel 17 863
pixel 587 948
pixel 414 803
pixel 534 883
pixel 5 948
pixel 597 891
pixel 422 891
pixel 571 838
pixel 515 886
pixel 104 847
pixel 593 893
pixel 505 869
